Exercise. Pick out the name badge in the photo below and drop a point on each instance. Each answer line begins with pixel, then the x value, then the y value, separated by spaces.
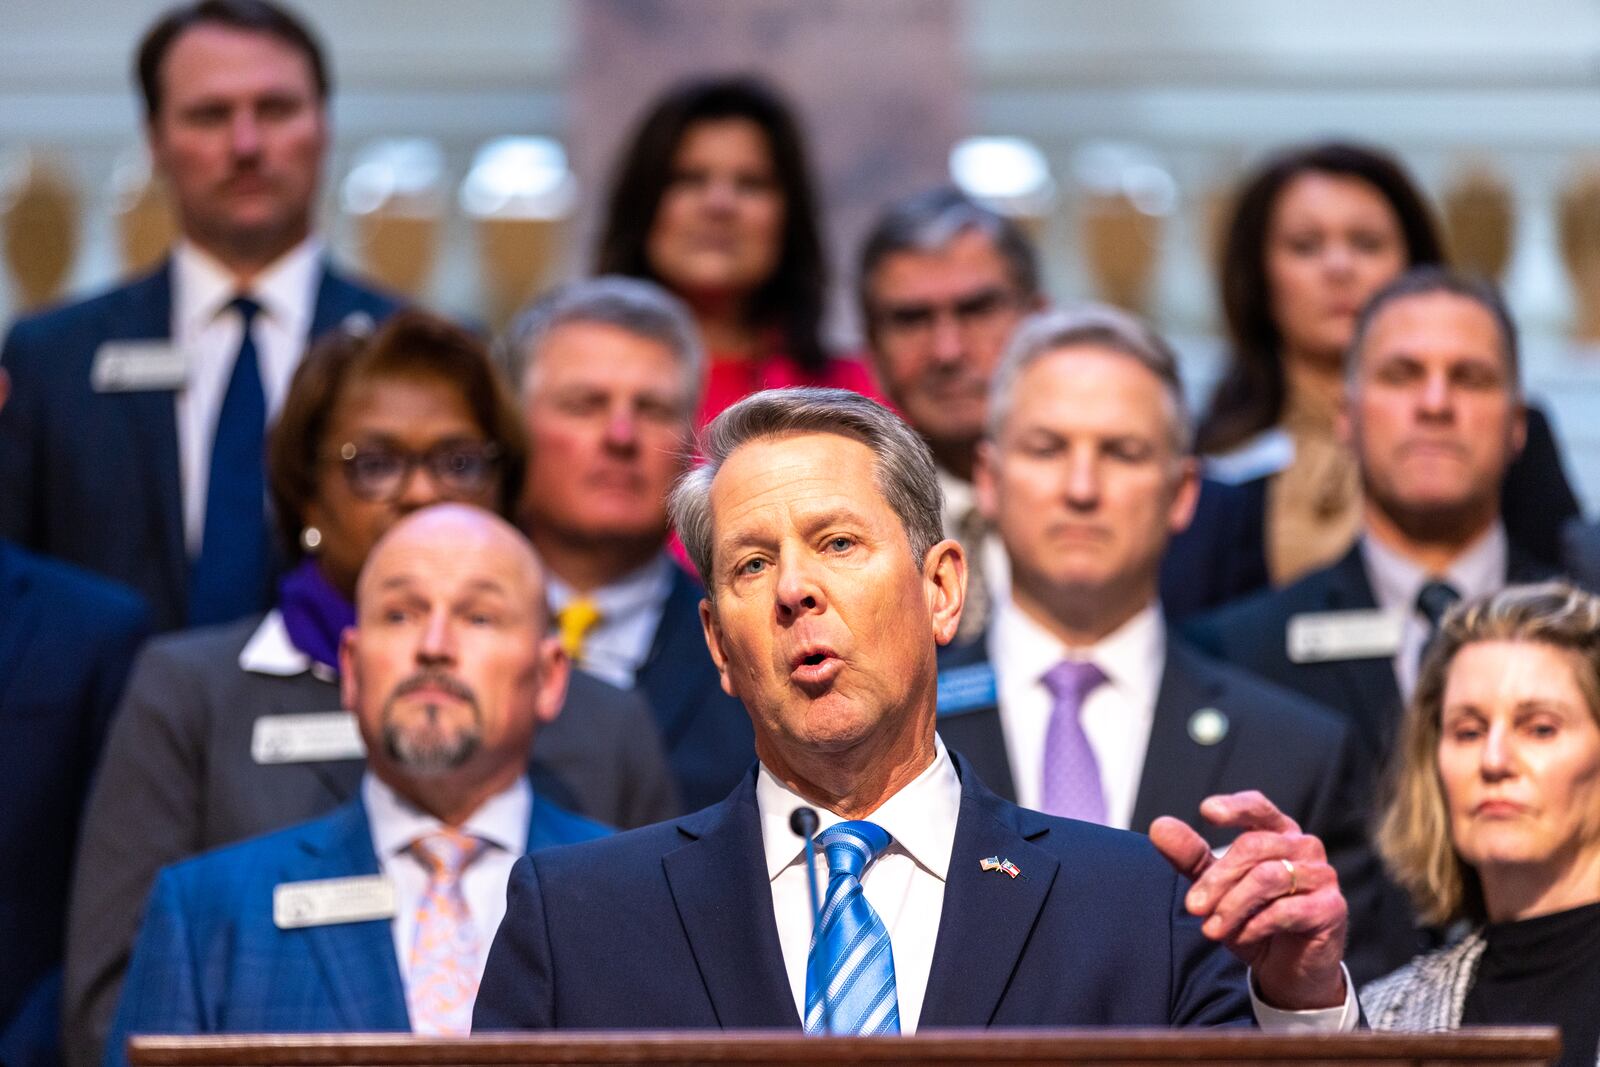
pixel 1324 636
pixel 332 900
pixel 138 367
pixel 964 689
pixel 315 737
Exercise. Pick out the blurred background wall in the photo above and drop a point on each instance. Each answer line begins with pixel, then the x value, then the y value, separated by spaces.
pixel 1143 114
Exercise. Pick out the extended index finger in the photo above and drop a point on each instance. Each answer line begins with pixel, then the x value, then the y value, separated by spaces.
pixel 1247 810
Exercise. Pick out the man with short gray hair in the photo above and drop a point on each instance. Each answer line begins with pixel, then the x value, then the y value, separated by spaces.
pixel 610 372
pixel 829 589
pixel 1078 700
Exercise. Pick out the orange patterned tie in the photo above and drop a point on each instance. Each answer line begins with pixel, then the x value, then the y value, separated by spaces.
pixel 445 950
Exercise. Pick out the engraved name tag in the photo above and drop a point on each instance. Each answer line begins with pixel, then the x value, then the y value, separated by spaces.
pixel 138 367
pixel 1324 636
pixel 310 738
pixel 332 900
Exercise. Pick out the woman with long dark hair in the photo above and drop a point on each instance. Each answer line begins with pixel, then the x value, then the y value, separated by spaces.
pixel 713 199
pixel 1315 232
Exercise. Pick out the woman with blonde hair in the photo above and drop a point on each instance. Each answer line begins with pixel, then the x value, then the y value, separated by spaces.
pixel 1494 821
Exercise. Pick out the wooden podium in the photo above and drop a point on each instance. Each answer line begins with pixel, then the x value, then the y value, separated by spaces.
pixel 979 1048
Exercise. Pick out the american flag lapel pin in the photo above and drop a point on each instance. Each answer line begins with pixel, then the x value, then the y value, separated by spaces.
pixel 992 863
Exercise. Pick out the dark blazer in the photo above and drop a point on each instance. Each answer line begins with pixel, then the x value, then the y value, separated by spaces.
pixel 1093 931
pixel 210 959
pixel 1253 634
pixel 707 733
pixel 1535 500
pixel 1580 552
pixel 1305 758
pixel 67 639
pixel 179 778
pixel 1222 554
pixel 92 477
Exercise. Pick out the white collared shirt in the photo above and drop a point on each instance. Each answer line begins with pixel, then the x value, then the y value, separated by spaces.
pixel 1117 715
pixel 630 613
pixel 905 886
pixel 502 821
pixel 1396 581
pixel 208 333
pixel 960 497
pixel 271 651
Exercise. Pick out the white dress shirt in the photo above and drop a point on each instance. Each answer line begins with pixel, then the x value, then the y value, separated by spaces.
pixel 630 613
pixel 1117 714
pixel 502 821
pixel 208 333
pixel 1396 581
pixel 905 886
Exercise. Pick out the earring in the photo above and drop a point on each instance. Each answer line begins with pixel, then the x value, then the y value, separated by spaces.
pixel 310 538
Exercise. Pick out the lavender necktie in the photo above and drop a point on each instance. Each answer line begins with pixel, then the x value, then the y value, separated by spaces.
pixel 1071 774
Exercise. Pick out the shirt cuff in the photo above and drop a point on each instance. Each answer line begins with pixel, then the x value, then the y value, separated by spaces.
pixel 1340 1020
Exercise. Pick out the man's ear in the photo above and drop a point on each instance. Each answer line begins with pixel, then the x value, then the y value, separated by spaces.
pixel 1187 497
pixel 944 581
pixel 349 684
pixel 555 669
pixel 713 632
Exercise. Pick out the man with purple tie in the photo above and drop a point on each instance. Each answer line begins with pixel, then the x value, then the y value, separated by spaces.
pixel 1079 700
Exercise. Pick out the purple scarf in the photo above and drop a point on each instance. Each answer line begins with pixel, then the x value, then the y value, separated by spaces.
pixel 314 613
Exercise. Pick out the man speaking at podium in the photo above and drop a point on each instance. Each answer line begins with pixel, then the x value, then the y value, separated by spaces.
pixel 815 523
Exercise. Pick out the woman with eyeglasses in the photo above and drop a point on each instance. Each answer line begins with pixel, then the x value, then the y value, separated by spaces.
pixel 231 731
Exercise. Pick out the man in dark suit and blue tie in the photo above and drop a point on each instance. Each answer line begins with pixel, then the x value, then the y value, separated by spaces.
pixel 450 672
pixel 1435 415
pixel 133 445
pixel 1079 700
pixel 816 522
pixel 610 371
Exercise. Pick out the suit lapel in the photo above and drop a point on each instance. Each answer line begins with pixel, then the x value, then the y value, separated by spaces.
pixel 337 300
pixel 676 644
pixel 1372 680
pixel 969 713
pixel 719 885
pixel 357 958
pixel 1178 770
pixel 987 916
pixel 145 313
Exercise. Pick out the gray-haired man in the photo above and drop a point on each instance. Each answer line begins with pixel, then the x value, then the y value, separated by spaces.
pixel 816 523
pixel 610 372
pixel 1078 700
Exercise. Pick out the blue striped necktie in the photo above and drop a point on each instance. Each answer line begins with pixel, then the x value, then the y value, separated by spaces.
pixel 850 955
pixel 230 577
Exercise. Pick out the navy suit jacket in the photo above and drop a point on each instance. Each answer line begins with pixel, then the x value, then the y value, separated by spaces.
pixel 66 641
pixel 1304 757
pixel 1092 932
pixel 92 477
pixel 210 959
pixel 706 733
pixel 1253 634
pixel 1221 555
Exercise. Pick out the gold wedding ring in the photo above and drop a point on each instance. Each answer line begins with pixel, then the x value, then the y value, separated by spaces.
pixel 1294 883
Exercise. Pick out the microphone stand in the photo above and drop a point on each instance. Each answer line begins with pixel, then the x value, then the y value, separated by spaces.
pixel 803 821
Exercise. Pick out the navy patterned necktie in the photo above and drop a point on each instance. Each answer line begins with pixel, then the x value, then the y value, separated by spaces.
pixel 229 578
pixel 850 956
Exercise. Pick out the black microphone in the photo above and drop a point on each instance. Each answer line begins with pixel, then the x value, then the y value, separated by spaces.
pixel 803 821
